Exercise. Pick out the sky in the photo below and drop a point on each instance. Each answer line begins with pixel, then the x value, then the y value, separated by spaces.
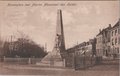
pixel 81 20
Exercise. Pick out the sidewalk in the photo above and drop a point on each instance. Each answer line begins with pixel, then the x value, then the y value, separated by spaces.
pixel 34 67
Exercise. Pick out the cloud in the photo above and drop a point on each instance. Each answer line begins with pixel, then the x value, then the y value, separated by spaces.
pixel 85 10
pixel 68 18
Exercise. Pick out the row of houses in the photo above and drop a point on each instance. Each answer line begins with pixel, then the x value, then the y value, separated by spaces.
pixel 106 44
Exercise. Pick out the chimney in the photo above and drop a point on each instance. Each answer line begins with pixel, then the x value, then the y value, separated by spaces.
pixel 99 30
pixel 109 25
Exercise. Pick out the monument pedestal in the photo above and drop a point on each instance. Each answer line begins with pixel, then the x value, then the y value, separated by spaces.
pixel 52 63
pixel 52 59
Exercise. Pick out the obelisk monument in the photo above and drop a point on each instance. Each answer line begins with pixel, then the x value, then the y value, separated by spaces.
pixel 57 56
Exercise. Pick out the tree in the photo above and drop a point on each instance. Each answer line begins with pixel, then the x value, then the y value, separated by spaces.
pixel 24 47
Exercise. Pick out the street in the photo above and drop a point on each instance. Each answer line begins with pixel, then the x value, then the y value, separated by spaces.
pixel 98 70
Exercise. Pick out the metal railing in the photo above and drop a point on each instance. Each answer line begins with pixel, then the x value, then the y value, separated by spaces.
pixel 21 60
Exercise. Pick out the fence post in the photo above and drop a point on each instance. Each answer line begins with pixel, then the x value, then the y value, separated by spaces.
pixel 4 59
pixel 29 60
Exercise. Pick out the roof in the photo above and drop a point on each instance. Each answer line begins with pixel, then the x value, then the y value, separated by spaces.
pixel 116 25
pixel 103 30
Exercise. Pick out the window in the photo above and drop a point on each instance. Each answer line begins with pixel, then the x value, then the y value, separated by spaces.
pixel 115 41
pixel 112 42
pixel 108 48
pixel 119 30
pixel 116 32
pixel 112 33
pixel 119 40
pixel 117 50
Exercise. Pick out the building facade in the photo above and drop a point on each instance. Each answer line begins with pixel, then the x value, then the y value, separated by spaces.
pixel 106 41
pixel 99 44
pixel 103 42
pixel 115 40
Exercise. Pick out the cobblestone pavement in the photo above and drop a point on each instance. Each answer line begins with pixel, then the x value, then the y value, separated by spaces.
pixel 98 70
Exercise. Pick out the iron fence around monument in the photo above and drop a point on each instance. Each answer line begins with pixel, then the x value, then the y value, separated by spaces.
pixel 83 62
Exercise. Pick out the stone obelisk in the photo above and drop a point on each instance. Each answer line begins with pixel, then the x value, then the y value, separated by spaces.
pixel 59 40
pixel 57 55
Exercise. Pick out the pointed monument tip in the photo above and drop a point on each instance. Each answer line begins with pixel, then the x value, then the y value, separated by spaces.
pixel 59 10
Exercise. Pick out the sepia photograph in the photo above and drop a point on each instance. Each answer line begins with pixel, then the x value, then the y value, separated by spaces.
pixel 59 37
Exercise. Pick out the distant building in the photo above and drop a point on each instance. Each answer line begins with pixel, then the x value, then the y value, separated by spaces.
pixel 115 39
pixel 1 48
pixel 86 48
pixel 83 50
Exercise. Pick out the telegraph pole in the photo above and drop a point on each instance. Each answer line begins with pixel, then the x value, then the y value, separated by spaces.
pixel 0 40
pixel 1 52
pixel 45 48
